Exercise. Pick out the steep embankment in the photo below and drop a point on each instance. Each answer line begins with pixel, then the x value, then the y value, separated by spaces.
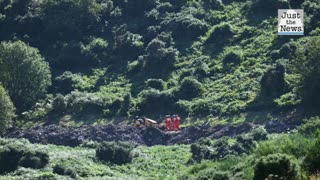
pixel 71 136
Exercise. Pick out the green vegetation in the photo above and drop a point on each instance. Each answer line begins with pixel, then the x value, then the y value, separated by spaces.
pixel 24 73
pixel 77 62
pixel 14 154
pixel 6 111
pixel 203 58
pixel 115 152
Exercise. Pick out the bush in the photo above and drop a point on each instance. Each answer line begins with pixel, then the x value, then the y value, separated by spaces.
pixel 14 155
pixel 293 144
pixel 24 73
pixel 212 4
pixel 6 111
pixel 115 152
pixel 307 66
pixel 259 134
pixel 310 126
pixel 155 83
pixel 155 102
pixel 63 170
pixel 45 176
pixel 34 159
pixel 10 156
pixel 272 82
pixel 232 58
pixel 220 34
pixel 185 23
pixel 221 148
pixel 190 88
pixel 160 55
pixel 267 7
pixel 212 173
pixel 280 165
pixel 312 160
pixel 72 168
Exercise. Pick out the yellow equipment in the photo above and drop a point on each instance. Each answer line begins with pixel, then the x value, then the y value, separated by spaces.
pixel 146 122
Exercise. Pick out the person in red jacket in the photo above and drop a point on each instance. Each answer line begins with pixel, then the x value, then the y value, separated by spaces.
pixel 178 123
pixel 173 122
pixel 167 122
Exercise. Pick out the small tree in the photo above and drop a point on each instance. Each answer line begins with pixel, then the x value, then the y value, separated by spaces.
pixel 280 165
pixel 115 152
pixel 6 110
pixel 24 73
pixel 190 88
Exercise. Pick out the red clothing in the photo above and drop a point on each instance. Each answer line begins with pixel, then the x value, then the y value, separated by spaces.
pixel 174 124
pixel 178 123
pixel 167 123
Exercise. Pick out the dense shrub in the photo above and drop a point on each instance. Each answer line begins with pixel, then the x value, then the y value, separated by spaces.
pixel 312 159
pixel 267 7
pixel 220 34
pixel 212 4
pixel 10 156
pixel 45 176
pixel 128 42
pixel 185 23
pixel 295 4
pixel 71 167
pixel 34 159
pixel 221 148
pixel 155 83
pixel 14 155
pixel 115 152
pixel 155 102
pixel 280 165
pixel 310 126
pixel 312 10
pixel 212 173
pixel 232 57
pixel 272 82
pixel 24 73
pixel 160 55
pixel 190 88
pixel 6 111
pixel 70 19
pixel 293 144
pixel 307 66
pixel 259 134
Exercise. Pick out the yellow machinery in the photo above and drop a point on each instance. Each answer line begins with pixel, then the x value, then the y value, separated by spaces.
pixel 146 122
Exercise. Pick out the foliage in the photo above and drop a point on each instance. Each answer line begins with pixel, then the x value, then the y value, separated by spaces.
pixel 312 159
pixel 259 134
pixel 6 111
pixel 13 155
pixel 295 144
pixel 70 167
pixel 70 19
pixel 276 165
pixel 189 88
pixel 155 83
pixel 155 101
pixel 160 55
pixel 212 173
pixel 310 126
pixel 25 74
pixel 267 7
pixel 221 148
pixel 306 65
pixel 115 152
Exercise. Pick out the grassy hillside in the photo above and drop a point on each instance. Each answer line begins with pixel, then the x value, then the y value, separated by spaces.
pixel 77 62
pixel 111 59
